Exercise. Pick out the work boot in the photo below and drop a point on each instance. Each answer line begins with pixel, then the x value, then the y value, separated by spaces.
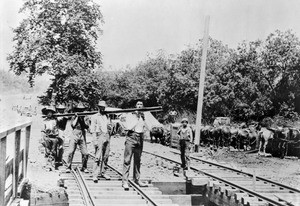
pixel 85 170
pixel 141 184
pixel 95 179
pixel 125 186
pixel 107 177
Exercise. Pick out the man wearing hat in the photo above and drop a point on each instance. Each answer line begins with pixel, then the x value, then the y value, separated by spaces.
pixel 101 139
pixel 135 126
pixel 50 136
pixel 78 138
pixel 185 135
pixel 61 125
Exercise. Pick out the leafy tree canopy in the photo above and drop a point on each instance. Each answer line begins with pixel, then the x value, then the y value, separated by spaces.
pixel 58 37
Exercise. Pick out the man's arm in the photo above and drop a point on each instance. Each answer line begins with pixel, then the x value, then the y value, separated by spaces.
pixel 178 133
pixel 74 121
pixel 93 124
pixel 191 135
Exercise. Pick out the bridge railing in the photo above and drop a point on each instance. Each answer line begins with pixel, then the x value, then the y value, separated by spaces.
pixel 15 167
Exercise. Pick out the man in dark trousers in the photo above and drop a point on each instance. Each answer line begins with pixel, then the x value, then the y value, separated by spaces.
pixel 135 125
pixel 185 136
pixel 78 138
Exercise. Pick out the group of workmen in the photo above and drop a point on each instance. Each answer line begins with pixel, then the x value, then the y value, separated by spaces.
pixel 99 125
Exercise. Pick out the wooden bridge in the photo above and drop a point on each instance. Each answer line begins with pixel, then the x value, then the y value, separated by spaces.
pixel 13 171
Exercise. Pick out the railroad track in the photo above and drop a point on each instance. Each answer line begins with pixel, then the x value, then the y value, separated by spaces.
pixel 82 191
pixel 237 186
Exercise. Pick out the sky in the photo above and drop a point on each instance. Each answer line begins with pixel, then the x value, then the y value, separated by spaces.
pixel 134 29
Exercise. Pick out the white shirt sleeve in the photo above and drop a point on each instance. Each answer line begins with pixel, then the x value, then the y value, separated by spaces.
pixel 93 124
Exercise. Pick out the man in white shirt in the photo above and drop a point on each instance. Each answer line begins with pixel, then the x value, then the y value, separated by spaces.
pixel 135 125
pixel 101 140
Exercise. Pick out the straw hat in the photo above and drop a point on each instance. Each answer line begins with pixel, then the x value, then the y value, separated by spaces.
pixel 60 106
pixel 102 104
pixel 184 120
pixel 80 106
pixel 50 108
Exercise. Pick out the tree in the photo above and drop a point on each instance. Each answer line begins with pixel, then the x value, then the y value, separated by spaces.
pixel 280 64
pixel 58 37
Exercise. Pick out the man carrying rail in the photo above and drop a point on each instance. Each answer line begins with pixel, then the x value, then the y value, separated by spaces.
pixel 135 125
pixel 78 138
pixel 101 139
pixel 61 125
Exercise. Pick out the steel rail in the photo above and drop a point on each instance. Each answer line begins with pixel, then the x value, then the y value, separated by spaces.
pixel 246 173
pixel 269 200
pixel 87 194
pixel 134 185
pixel 82 186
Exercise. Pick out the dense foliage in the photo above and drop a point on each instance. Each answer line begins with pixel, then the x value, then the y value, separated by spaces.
pixel 257 80
pixel 59 38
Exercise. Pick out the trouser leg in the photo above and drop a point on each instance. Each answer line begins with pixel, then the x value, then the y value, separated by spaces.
pixel 127 159
pixel 187 154
pixel 72 149
pixel 54 147
pixel 60 150
pixel 96 167
pixel 105 155
pixel 47 146
pixel 182 153
pixel 137 162
pixel 60 154
pixel 84 153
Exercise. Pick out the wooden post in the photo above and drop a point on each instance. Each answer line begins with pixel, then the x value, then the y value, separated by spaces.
pixel 201 83
pixel 2 169
pixel 26 149
pixel 16 163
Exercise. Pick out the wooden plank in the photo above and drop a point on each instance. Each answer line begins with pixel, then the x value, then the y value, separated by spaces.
pixel 9 168
pixel 21 159
pixel 16 163
pixel 201 82
pixel 26 148
pixel 2 169
pixel 6 132
pixel 8 194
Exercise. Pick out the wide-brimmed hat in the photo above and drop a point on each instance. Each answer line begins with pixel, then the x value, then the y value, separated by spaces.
pixel 60 106
pixel 49 108
pixel 80 106
pixel 184 120
pixel 102 104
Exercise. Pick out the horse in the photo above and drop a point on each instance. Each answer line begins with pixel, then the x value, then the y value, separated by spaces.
pixel 264 136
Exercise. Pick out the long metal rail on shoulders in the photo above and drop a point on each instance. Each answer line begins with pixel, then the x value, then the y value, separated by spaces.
pixel 271 201
pixel 117 111
pixel 135 186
